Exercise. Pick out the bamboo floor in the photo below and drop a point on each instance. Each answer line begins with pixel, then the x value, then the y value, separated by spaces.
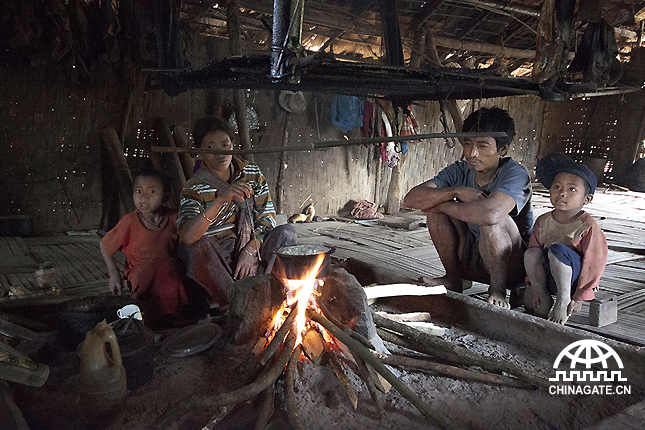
pixel 395 248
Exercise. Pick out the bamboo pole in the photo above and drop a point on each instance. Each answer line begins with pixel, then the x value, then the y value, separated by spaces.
pixel 123 176
pixel 330 143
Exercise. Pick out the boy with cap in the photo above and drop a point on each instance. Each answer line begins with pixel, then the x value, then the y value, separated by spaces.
pixel 567 250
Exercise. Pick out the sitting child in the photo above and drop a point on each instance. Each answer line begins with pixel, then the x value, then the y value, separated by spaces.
pixel 148 237
pixel 566 244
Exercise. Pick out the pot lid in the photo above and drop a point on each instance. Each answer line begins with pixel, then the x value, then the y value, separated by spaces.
pixel 192 340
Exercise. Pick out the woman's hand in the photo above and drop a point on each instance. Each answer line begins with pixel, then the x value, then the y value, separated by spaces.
pixel 116 283
pixel 247 262
pixel 237 192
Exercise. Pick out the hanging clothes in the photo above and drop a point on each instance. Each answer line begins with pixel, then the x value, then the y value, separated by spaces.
pixel 346 112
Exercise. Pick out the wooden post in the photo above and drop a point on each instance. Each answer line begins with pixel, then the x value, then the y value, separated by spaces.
pixel 181 141
pixel 239 102
pixel 111 141
pixel 172 163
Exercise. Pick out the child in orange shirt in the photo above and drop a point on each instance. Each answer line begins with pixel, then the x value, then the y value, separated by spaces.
pixel 148 237
pixel 567 250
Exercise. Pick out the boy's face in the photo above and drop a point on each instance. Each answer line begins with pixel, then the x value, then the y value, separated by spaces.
pixel 217 140
pixel 568 193
pixel 148 194
pixel 481 153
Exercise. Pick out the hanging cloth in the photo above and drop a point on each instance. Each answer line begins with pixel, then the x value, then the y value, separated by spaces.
pixel 346 112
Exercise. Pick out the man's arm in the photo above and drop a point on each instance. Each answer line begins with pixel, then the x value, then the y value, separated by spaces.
pixel 485 211
pixel 427 196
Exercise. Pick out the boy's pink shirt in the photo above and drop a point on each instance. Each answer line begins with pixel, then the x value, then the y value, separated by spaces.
pixel 582 235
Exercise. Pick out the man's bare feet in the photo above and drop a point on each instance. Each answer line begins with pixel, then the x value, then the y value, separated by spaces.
pixel 559 312
pixel 451 284
pixel 498 299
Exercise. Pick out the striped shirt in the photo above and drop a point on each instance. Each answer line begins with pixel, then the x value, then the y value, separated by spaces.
pixel 196 195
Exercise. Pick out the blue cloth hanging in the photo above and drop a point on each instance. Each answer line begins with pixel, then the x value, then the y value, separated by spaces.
pixel 346 112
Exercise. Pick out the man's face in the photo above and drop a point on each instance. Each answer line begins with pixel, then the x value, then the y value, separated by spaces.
pixel 567 193
pixel 481 153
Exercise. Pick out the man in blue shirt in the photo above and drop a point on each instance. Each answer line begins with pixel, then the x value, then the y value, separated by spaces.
pixel 479 210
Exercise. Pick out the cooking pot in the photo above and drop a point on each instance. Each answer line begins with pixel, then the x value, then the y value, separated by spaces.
pixel 297 260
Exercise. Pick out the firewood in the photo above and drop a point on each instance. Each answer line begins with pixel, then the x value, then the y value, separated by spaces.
pixel 371 388
pixel 217 417
pixel 290 396
pixel 313 345
pixel 279 336
pixel 267 408
pixel 266 379
pixel 356 336
pixel 409 317
pixel 357 348
pixel 433 345
pixel 258 349
pixel 426 327
pixel 344 380
pixel 453 371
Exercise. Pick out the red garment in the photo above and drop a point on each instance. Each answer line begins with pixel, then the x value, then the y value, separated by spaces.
pixel 152 266
pixel 583 236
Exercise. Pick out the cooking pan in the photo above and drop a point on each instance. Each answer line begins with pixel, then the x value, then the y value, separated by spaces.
pixel 297 260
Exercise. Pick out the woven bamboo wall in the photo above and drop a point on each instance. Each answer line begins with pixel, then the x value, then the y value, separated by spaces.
pixel 598 130
pixel 51 158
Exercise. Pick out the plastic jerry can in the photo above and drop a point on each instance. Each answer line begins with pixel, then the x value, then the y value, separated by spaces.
pixel 102 381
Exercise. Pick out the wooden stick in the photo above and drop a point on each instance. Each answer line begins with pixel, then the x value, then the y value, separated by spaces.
pixel 360 350
pixel 365 376
pixel 290 396
pixel 279 336
pixel 181 141
pixel 453 371
pixel 344 380
pixel 436 346
pixel 267 408
pixel 266 379
pixel 409 317
pixel 329 143
pixel 217 417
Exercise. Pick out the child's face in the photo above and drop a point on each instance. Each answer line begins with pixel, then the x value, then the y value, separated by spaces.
pixel 148 194
pixel 217 140
pixel 568 193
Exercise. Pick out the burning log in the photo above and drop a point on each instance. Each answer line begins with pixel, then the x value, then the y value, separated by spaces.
pixel 411 338
pixel 266 379
pixel 313 345
pixel 360 350
pixel 290 396
pixel 279 336
pixel 453 371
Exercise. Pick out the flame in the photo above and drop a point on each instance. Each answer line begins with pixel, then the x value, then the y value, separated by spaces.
pixel 300 292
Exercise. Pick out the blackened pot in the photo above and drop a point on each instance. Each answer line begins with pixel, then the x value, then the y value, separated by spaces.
pixel 296 260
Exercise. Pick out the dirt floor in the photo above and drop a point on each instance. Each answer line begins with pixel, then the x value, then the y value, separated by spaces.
pixel 322 402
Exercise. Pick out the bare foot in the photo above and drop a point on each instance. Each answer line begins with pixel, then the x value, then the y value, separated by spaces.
pixel 451 284
pixel 559 313
pixel 498 299
pixel 531 298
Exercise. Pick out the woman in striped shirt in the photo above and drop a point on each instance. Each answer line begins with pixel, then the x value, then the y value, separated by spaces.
pixel 226 217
